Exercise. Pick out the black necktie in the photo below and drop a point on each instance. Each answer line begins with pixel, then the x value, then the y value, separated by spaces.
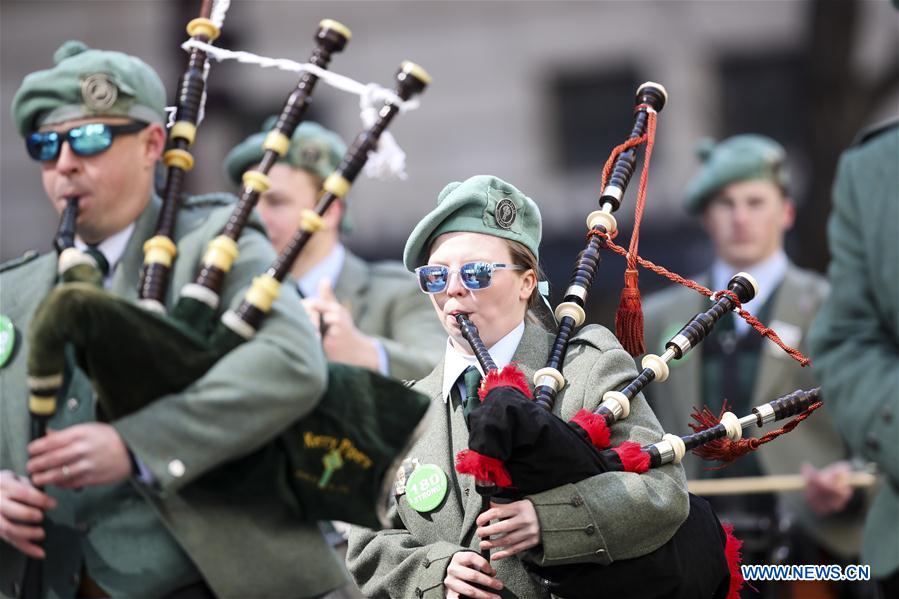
pixel 102 263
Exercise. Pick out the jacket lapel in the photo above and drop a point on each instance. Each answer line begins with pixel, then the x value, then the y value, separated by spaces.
pixel 352 283
pixel 533 349
pixel 774 363
pixel 431 449
pixel 128 270
pixel 685 380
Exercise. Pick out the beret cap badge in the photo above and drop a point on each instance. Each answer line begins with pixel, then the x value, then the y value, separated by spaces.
pixel 310 155
pixel 99 92
pixel 505 213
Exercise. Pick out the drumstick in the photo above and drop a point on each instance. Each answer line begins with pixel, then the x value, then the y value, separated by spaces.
pixel 768 484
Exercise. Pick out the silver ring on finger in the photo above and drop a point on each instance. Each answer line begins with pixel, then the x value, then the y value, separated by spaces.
pixel 66 471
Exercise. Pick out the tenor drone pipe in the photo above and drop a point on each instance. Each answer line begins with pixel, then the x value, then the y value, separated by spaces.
pixel 570 313
pixel 331 37
pixel 672 448
pixel 160 250
pixel 615 404
pixel 411 80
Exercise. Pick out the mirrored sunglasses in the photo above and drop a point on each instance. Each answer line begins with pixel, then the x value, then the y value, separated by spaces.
pixel 474 275
pixel 85 140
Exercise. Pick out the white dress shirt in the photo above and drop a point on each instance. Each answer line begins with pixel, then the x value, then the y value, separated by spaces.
pixel 113 248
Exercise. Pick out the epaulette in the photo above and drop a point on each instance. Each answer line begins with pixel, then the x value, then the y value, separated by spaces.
pixel 209 200
pixel 869 133
pixel 17 262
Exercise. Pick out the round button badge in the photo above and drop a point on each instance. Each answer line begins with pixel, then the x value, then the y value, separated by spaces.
pixel 426 488
pixel 7 339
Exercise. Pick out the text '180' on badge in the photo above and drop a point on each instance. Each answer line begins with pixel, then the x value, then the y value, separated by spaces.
pixel 426 488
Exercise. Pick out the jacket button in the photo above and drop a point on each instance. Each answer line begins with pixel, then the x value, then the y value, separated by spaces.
pixel 418 592
pixel 176 468
pixel 577 501
pixel 465 492
pixel 872 443
pixel 590 529
pixel 82 527
pixel 72 404
pixel 887 414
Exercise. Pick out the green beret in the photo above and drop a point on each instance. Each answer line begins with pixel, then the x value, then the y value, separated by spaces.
pixel 87 83
pixel 737 158
pixel 481 204
pixel 312 148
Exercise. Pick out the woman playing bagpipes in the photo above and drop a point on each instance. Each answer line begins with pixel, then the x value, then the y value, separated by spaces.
pixel 476 254
pixel 119 516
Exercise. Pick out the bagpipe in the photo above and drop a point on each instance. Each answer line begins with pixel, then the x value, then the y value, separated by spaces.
pixel 518 446
pixel 336 463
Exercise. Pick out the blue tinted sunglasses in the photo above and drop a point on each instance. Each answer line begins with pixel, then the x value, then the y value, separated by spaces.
pixel 474 275
pixel 85 140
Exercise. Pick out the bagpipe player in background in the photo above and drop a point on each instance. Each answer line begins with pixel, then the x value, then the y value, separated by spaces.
pixel 370 314
pixel 94 124
pixel 476 253
pixel 741 193
pixel 367 314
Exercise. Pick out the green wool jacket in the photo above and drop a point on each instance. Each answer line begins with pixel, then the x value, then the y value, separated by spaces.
pixel 855 339
pixel 141 541
pixel 815 441
pixel 386 303
pixel 614 515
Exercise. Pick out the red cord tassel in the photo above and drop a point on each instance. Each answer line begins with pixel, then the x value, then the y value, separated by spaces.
pixel 482 468
pixel 632 457
pixel 596 427
pixel 734 559
pixel 629 319
pixel 726 451
pixel 509 376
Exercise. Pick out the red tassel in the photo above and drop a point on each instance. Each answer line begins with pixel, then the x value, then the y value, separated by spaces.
pixel 734 559
pixel 633 458
pixel 726 451
pixel 596 427
pixel 629 319
pixel 482 468
pixel 509 376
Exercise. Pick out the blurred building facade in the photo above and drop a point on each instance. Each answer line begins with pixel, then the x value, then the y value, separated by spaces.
pixel 534 92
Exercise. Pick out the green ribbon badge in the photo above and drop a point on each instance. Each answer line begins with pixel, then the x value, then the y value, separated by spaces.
pixel 7 339
pixel 426 488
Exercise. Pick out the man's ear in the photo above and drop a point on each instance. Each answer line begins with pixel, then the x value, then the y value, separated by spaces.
pixel 789 214
pixel 154 142
pixel 334 214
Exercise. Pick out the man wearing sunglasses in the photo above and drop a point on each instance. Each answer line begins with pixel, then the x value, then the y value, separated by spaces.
pixel 116 515
pixel 371 314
